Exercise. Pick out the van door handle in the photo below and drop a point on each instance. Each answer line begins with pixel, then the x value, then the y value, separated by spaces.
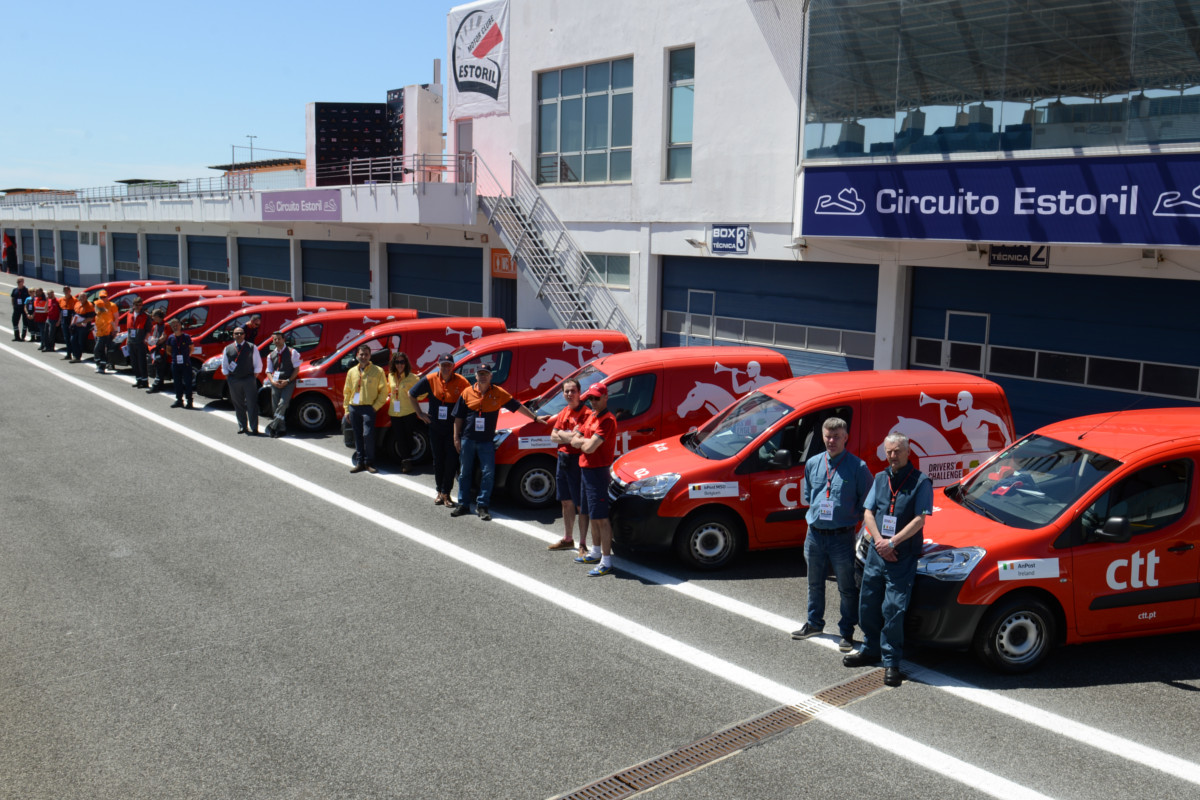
pixel 644 430
pixel 1180 548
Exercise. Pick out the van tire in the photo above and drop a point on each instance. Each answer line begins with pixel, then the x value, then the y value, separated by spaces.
pixel 311 413
pixel 709 539
pixel 531 482
pixel 1017 634
pixel 420 444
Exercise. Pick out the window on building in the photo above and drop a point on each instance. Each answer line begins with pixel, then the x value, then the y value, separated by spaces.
pixel 681 80
pixel 585 123
pixel 609 270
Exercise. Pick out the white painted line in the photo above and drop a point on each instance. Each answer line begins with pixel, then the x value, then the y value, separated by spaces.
pixel 897 745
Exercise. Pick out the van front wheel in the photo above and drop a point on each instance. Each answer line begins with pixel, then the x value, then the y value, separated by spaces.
pixel 1016 635
pixel 709 539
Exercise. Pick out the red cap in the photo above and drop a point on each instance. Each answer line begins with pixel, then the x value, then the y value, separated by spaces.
pixel 595 390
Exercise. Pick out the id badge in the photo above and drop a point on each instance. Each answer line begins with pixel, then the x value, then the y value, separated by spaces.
pixel 356 400
pixel 825 510
pixel 395 406
pixel 178 359
pixel 888 529
pixel 480 424
pixel 442 412
pixel 278 375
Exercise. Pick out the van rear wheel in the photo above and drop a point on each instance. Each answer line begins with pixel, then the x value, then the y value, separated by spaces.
pixel 709 539
pixel 1016 635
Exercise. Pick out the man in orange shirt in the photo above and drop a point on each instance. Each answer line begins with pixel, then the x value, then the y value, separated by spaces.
pixel 67 304
pixel 106 328
pixel 81 323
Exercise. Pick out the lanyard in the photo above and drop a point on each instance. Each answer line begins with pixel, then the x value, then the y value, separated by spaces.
pixel 896 491
pixel 829 472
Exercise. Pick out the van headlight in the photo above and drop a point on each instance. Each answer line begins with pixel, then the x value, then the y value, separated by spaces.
pixel 500 436
pixel 655 487
pixel 212 364
pixel 950 565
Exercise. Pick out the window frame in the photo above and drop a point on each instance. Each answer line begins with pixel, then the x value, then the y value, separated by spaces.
pixel 678 147
pixel 555 156
pixel 598 260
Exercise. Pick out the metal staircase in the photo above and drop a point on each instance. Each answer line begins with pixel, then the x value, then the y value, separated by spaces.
pixel 552 262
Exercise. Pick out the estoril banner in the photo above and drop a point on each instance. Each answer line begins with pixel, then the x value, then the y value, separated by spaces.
pixel 479 59
pixel 1147 200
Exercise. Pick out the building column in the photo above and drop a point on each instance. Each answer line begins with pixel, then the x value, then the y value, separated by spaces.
pixel 181 239
pixel 37 256
pixel 377 257
pixel 892 301
pixel 297 266
pixel 58 259
pixel 486 297
pixel 143 258
pixel 231 262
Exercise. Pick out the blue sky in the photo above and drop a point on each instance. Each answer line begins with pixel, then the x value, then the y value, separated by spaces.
pixel 95 93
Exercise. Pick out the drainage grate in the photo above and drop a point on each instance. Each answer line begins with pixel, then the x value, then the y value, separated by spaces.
pixel 721 744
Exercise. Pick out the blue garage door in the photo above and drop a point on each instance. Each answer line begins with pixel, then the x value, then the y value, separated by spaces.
pixel 436 281
pixel 28 266
pixel 265 266
pixel 125 257
pixel 70 256
pixel 820 315
pixel 162 255
pixel 337 271
pixel 1061 345
pixel 208 261
pixel 46 268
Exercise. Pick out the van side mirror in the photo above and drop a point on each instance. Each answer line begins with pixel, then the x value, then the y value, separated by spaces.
pixel 781 459
pixel 1115 529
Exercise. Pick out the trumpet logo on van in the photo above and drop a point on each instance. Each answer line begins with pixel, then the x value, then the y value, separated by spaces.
pixel 1028 569
pixel 708 490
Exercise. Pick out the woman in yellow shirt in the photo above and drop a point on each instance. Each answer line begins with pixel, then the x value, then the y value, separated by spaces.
pixel 401 407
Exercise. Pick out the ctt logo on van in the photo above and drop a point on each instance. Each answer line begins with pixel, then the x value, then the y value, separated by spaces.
pixel 478 35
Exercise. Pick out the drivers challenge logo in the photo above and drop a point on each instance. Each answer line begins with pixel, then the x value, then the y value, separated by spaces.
pixel 478 35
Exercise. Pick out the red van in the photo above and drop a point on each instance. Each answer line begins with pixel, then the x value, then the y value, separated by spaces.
pixel 273 317
pixel 526 363
pixel 125 297
pixel 734 484
pixel 1085 530
pixel 653 393
pixel 313 335
pixel 112 287
pixel 317 399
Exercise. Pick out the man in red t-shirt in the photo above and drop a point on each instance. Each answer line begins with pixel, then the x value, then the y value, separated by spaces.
pixel 597 441
pixel 567 485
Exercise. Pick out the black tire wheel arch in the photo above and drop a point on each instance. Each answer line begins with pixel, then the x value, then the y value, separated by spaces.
pixel 311 412
pixel 532 482
pixel 1017 633
pixel 710 538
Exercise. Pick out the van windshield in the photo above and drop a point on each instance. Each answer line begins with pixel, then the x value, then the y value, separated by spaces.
pixel 552 401
pixel 1032 482
pixel 728 433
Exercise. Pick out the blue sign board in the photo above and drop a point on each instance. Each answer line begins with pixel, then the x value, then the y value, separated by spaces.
pixel 1146 200
pixel 727 238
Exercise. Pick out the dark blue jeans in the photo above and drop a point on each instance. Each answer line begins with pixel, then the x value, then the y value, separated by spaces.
pixel 485 452
pixel 182 375
pixel 820 551
pixel 362 422
pixel 883 599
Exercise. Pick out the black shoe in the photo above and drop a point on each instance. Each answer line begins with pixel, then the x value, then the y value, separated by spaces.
pixel 482 511
pixel 860 659
pixel 892 676
pixel 846 644
pixel 252 433
pixel 177 404
pixel 807 632
pixel 189 403
pixel 155 389
pixel 241 430
pixel 357 468
pixel 371 469
pixel 461 510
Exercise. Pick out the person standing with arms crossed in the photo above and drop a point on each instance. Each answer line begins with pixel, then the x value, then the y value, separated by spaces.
pixel 242 363
pixel 443 388
pixel 475 417
pixel 282 366
pixel 366 392
pixel 895 509
pixel 835 486
pixel 596 439
pixel 567 485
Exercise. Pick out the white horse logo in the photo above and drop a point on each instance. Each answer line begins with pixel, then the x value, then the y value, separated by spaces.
pixel 923 438
pixel 555 369
pixel 708 396
pixel 350 336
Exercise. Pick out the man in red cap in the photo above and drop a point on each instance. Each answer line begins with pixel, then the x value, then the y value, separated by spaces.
pixel 597 440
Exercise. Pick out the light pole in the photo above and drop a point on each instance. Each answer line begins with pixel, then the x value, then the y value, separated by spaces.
pixel 251 138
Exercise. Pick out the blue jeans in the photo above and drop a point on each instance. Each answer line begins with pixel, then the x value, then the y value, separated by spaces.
pixel 883 599
pixel 362 422
pixel 79 335
pixel 181 374
pixel 486 453
pixel 820 551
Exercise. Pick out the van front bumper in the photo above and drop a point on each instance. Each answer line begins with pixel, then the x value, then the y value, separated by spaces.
pixel 935 617
pixel 637 525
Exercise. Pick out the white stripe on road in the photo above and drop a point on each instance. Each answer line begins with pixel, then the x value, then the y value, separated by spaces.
pixel 896 744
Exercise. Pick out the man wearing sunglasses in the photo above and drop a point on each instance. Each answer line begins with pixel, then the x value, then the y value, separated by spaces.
pixel 242 364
